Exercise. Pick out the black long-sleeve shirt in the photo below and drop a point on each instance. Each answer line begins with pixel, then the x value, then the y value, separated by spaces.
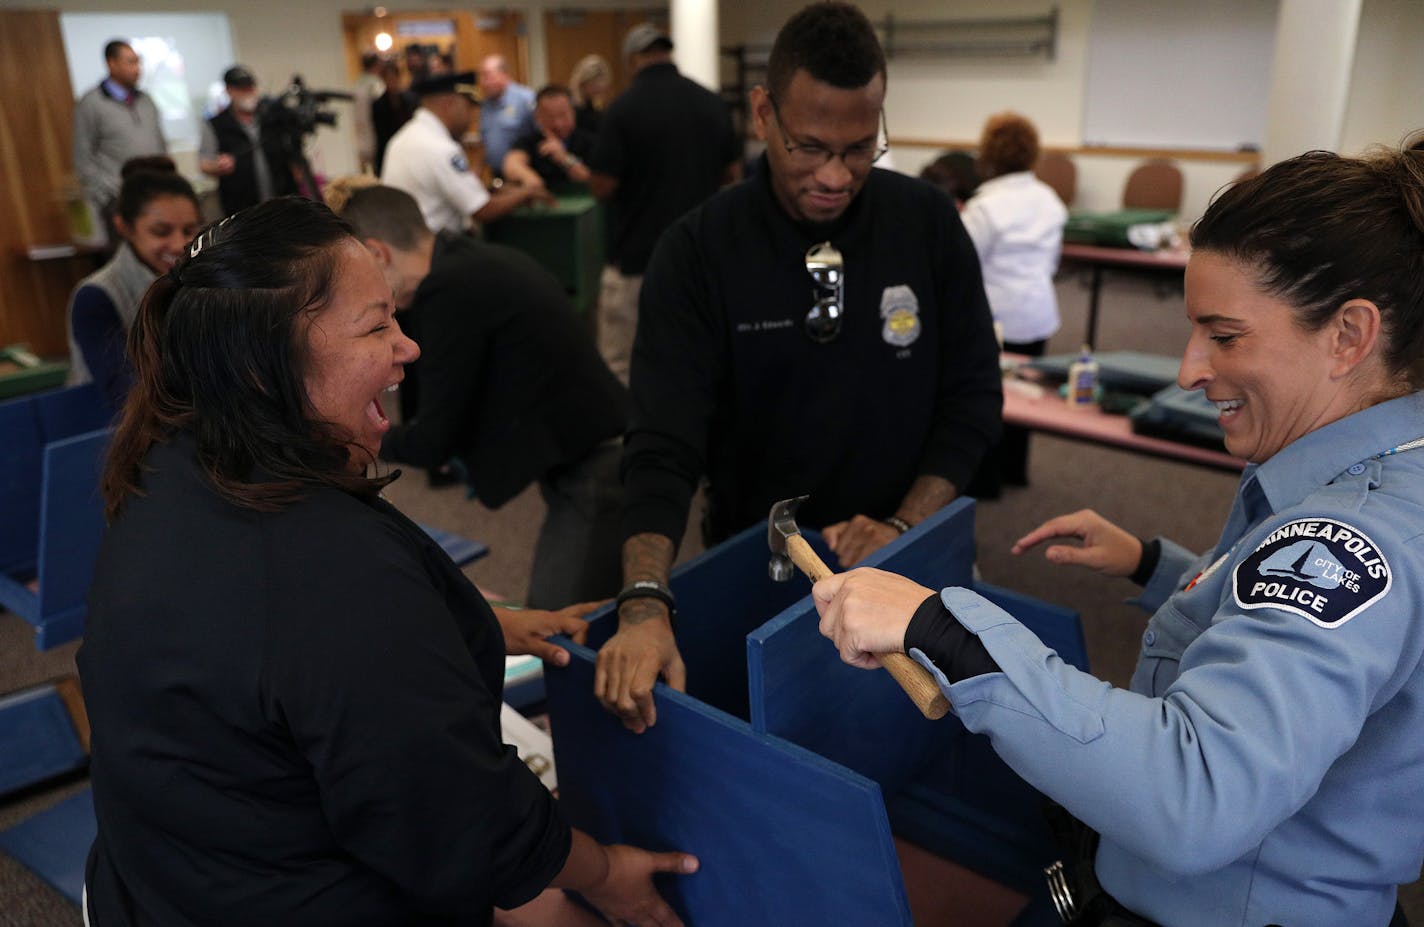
pixel 510 381
pixel 295 720
pixel 669 143
pixel 726 383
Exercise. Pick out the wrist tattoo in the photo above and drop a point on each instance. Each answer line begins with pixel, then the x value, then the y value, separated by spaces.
pixel 639 611
pixel 645 556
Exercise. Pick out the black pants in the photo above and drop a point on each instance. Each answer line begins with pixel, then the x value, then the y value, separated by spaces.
pixel 1006 463
pixel 579 554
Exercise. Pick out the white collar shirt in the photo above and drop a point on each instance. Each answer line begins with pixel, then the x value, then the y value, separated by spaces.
pixel 424 161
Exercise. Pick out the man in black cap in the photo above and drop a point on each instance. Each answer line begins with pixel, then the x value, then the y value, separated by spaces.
pixel 250 165
pixel 665 145
pixel 426 160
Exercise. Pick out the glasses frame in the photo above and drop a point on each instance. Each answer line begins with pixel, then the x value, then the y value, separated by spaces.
pixel 826 155
pixel 827 270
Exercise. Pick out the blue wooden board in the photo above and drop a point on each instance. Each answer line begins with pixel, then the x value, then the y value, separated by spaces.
pixel 965 804
pixel 784 836
pixel 21 456
pixel 71 522
pixel 459 549
pixel 800 689
pixel 722 595
pixel 946 789
pixel 73 410
pixel 27 424
pixel 71 525
pixel 54 844
pixel 37 738
pixel 943 787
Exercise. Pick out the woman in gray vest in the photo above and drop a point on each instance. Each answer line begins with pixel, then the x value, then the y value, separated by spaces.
pixel 157 215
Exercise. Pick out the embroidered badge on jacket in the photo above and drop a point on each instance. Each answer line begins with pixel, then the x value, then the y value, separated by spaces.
pixel 1318 568
pixel 459 163
pixel 901 312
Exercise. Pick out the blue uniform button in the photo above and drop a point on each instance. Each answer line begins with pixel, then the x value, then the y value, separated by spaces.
pixel 1149 638
pixel 1356 469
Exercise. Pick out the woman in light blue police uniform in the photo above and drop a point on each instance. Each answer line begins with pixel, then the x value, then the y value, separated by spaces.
pixel 1267 765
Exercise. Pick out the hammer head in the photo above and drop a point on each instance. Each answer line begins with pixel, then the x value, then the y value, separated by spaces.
pixel 780 525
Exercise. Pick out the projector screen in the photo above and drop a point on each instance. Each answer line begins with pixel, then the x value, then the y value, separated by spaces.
pixel 184 56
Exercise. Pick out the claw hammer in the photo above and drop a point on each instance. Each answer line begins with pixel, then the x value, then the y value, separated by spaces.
pixel 788 547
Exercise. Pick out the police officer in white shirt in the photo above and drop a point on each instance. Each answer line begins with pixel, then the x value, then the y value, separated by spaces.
pixel 426 160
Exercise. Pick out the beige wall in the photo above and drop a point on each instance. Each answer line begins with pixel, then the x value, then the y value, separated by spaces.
pixel 1385 86
pixel 944 99
pixel 950 98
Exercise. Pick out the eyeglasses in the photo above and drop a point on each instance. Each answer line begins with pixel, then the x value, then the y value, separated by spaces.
pixel 823 321
pixel 813 157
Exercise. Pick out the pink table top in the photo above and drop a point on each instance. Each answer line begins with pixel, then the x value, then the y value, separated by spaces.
pixel 1128 257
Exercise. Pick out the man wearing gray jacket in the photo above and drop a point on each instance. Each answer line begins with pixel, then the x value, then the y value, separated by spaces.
pixel 114 122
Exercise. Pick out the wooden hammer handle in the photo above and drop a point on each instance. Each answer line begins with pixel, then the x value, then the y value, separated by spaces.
pixel 912 677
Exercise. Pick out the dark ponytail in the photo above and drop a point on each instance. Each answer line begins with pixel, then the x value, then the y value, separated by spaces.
pixel 1321 229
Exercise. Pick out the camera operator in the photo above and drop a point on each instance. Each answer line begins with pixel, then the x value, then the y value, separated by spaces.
pixel 250 161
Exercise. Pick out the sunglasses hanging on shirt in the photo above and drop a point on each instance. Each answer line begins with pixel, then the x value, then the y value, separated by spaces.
pixel 824 264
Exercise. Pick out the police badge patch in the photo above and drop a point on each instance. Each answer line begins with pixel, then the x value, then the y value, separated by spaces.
pixel 1318 568
pixel 901 312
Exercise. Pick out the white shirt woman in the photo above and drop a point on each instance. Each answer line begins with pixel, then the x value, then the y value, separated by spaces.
pixel 1016 222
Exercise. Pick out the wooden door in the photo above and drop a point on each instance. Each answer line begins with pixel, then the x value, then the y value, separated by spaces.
pixel 470 37
pixel 36 173
pixel 571 34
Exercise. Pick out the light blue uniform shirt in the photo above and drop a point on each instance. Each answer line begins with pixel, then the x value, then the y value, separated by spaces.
pixel 505 121
pixel 1267 766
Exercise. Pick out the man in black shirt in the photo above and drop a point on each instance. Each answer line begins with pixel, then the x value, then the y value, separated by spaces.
pixel 510 386
pixel 665 145
pixel 553 156
pixel 390 111
pixel 821 328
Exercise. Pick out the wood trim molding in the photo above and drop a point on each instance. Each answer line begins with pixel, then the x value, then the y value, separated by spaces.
pixel 1172 154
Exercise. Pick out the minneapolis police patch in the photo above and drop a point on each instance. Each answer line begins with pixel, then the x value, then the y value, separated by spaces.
pixel 1318 568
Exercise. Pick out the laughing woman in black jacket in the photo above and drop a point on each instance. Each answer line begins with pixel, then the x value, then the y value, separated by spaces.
pixel 294 694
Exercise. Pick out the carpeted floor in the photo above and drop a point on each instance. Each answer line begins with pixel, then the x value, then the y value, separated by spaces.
pixel 1147 496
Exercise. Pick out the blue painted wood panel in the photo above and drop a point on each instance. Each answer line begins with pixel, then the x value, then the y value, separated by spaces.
pixel 55 843
pixel 755 683
pixel 37 739
pixel 722 595
pixel 461 550
pixel 800 689
pixel 27 424
pixel 21 457
pixel 965 803
pixel 71 526
pixel 784 836
pixel 64 413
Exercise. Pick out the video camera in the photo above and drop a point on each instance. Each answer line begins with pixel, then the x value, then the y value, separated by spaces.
pixel 296 113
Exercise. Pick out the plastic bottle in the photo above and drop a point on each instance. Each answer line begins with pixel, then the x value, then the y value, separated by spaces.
pixel 1083 379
